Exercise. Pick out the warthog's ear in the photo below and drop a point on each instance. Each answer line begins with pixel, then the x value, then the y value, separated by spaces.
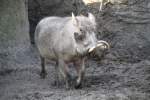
pixel 92 18
pixel 74 19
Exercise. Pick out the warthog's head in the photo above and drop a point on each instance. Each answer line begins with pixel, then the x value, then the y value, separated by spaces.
pixel 84 34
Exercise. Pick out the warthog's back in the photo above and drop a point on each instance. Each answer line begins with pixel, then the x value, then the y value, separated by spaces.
pixel 50 24
pixel 50 36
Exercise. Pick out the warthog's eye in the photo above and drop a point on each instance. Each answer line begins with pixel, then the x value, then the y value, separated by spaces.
pixel 78 37
pixel 81 30
pixel 81 37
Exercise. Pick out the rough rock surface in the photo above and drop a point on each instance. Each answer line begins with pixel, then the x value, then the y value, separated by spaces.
pixel 123 74
pixel 14 29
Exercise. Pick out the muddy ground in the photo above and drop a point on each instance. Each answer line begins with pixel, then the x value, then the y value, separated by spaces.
pixel 123 74
pixel 104 80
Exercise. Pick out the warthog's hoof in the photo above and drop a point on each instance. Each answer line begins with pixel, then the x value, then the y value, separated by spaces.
pixel 43 75
pixel 69 81
pixel 78 85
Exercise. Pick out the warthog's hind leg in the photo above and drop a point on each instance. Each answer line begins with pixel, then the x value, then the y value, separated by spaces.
pixel 57 77
pixel 43 70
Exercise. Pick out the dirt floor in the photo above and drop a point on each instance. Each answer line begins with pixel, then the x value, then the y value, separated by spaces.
pixel 105 80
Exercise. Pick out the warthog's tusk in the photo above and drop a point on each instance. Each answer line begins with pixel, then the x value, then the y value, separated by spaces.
pixel 92 48
pixel 102 43
pixel 99 44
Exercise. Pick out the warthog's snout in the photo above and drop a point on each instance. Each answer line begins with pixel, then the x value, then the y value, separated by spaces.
pixel 100 44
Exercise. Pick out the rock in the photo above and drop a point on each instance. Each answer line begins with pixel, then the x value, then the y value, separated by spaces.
pixel 13 28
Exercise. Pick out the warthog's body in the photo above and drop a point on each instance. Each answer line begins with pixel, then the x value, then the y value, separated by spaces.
pixel 56 35
pixel 66 39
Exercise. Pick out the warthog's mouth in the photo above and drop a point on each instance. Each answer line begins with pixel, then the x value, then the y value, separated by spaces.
pixel 100 44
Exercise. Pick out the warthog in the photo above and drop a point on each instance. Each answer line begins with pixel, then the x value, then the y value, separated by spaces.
pixel 67 40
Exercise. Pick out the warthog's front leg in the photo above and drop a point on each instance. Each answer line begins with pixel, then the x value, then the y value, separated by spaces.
pixel 64 71
pixel 43 70
pixel 80 68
